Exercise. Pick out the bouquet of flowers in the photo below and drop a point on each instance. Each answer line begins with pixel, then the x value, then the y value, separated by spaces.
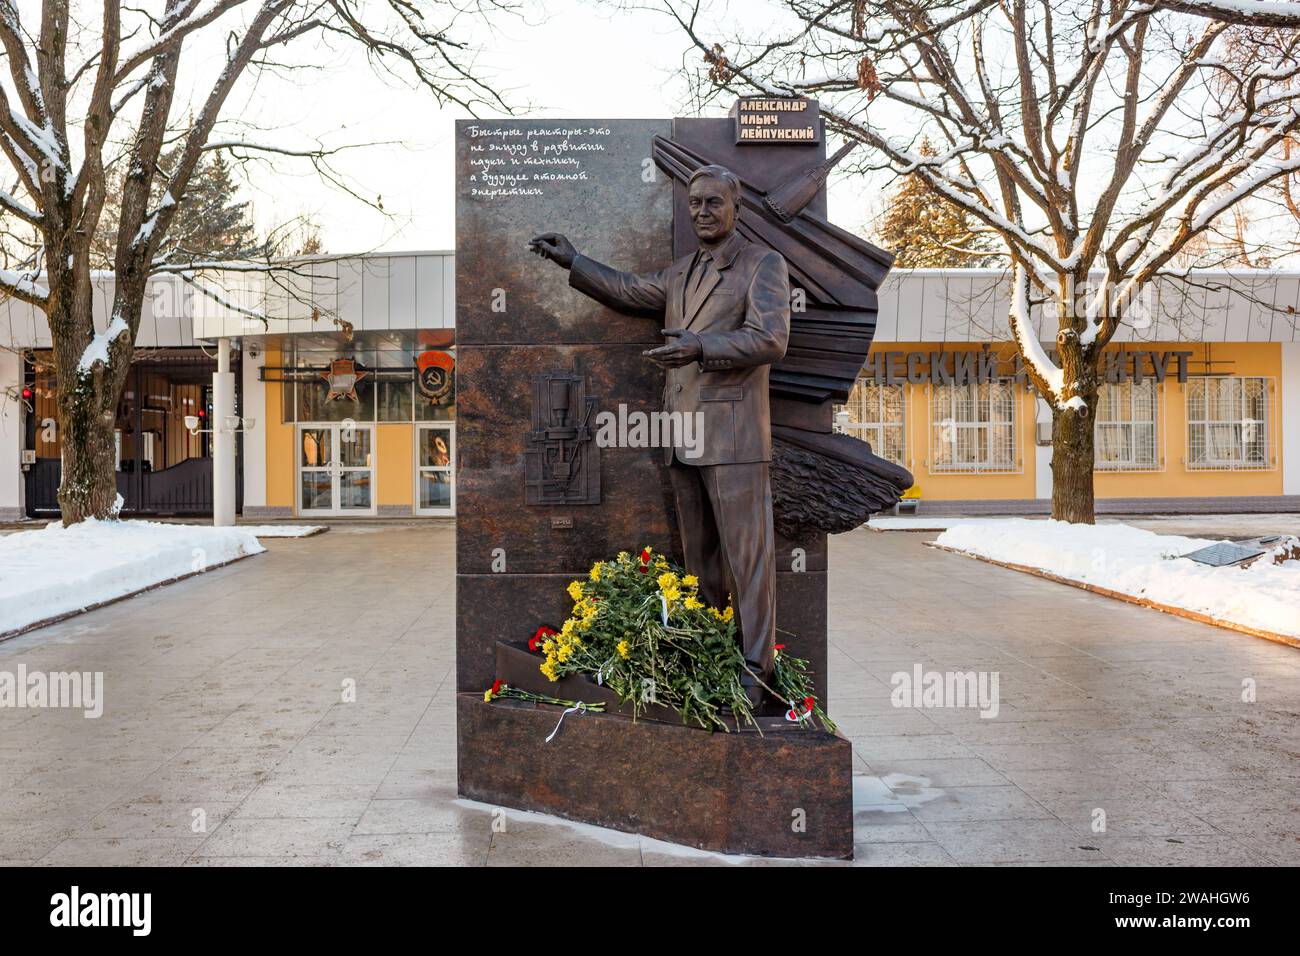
pixel 640 628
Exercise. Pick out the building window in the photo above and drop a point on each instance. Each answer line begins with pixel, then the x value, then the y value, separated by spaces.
pixel 1125 438
pixel 388 392
pixel 876 415
pixel 1227 423
pixel 974 427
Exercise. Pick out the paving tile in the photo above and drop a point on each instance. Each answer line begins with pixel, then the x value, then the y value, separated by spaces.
pixel 959 772
pixel 278 836
pixel 1217 850
pixel 901 854
pixel 1012 841
pixel 420 815
pixel 144 851
pixel 959 804
pixel 340 801
pixel 467 848
pixel 1112 706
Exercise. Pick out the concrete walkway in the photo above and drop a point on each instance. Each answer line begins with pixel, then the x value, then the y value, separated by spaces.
pixel 227 739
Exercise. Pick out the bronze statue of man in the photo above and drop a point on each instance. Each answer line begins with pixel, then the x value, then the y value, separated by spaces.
pixel 726 311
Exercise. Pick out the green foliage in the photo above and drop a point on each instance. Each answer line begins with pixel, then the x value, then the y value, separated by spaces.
pixel 925 231
pixel 211 221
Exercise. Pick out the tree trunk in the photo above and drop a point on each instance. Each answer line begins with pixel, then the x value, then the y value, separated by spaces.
pixel 1073 456
pixel 89 484
pixel 87 401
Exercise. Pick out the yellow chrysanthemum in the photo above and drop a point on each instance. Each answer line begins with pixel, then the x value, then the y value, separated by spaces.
pixel 671 595
pixel 575 590
pixel 548 648
pixel 595 572
pixel 691 581
pixel 694 604
pixel 624 557
pixel 624 649
pixel 567 629
pixel 667 580
pixel 728 614
pixel 549 671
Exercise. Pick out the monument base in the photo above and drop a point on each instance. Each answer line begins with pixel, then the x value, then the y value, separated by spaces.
pixel 786 792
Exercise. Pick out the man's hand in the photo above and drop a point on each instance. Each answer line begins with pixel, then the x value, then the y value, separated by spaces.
pixel 553 246
pixel 683 351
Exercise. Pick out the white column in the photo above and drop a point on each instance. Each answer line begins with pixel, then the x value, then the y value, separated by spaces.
pixel 1042 453
pixel 253 397
pixel 1288 416
pixel 223 439
pixel 11 437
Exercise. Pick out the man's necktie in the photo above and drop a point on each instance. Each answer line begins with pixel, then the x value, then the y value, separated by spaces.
pixel 702 267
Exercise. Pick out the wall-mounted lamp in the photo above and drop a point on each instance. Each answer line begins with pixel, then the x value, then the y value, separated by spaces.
pixel 232 423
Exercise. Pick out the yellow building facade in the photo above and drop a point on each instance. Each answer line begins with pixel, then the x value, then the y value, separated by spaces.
pixel 1200 403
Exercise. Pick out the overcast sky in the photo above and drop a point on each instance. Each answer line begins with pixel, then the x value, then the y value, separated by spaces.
pixel 581 60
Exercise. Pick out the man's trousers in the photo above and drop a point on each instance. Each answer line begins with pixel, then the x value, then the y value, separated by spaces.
pixel 724 516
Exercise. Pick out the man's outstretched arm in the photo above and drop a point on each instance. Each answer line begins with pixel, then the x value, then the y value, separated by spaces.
pixel 627 292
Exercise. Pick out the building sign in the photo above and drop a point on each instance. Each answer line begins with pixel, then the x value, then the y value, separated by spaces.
pixel 779 122
pixel 342 379
pixel 433 372
pixel 971 366
pixel 1134 365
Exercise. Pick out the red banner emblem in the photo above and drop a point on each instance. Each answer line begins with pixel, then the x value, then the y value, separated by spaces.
pixel 434 372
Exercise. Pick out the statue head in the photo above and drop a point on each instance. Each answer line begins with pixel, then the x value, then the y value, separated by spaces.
pixel 713 199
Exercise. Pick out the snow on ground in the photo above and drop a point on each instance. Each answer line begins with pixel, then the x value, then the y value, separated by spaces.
pixel 282 530
pixel 1142 564
pixel 56 571
pixel 1260 524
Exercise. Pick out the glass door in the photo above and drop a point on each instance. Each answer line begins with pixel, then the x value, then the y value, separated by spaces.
pixel 316 469
pixel 356 471
pixel 435 453
pixel 336 473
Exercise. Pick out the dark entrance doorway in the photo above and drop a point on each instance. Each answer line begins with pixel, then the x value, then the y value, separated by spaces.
pixel 161 468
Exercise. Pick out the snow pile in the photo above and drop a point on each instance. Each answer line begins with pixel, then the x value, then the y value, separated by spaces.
pixel 1142 564
pixel 282 530
pixel 56 570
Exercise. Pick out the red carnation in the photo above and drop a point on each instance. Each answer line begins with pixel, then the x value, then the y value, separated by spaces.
pixel 540 635
pixel 780 647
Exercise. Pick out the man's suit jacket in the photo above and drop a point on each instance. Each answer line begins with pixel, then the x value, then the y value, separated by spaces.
pixel 742 318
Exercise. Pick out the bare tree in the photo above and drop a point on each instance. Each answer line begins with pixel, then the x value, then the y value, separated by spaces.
pixel 71 80
pixel 1085 133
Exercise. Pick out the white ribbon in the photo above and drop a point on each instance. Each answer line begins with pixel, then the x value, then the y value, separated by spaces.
pixel 580 707
pixel 663 601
